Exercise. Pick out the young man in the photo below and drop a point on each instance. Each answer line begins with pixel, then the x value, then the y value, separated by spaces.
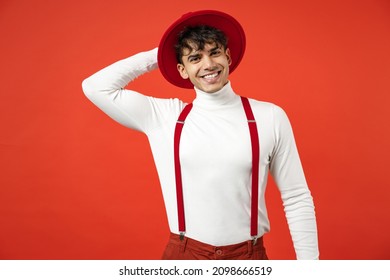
pixel 213 156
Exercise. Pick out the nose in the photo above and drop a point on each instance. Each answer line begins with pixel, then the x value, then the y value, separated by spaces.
pixel 209 63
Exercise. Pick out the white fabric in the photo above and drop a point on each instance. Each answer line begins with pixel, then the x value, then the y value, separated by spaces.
pixel 215 154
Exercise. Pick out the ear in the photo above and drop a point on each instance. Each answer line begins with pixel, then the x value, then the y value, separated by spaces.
pixel 229 58
pixel 182 71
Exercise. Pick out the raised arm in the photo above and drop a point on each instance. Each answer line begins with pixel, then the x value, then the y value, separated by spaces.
pixel 106 90
pixel 298 204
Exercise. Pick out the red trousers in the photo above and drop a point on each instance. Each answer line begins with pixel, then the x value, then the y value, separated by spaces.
pixel 190 249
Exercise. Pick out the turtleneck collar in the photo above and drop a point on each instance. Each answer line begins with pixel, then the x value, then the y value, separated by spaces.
pixel 225 96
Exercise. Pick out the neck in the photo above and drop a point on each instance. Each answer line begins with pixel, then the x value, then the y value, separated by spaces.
pixel 222 97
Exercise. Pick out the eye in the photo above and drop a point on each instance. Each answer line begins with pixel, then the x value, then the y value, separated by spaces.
pixel 215 52
pixel 194 58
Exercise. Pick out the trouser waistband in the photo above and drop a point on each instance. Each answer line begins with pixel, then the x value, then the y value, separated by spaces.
pixel 217 252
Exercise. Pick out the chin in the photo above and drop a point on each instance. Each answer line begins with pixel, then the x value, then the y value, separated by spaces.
pixel 211 90
pixel 215 88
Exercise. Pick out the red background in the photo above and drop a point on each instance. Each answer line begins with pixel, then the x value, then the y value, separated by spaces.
pixel 76 185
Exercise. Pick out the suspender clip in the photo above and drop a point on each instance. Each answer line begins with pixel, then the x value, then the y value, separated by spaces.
pixel 254 240
pixel 182 233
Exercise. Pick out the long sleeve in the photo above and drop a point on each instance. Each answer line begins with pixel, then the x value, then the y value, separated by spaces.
pixel 106 90
pixel 298 204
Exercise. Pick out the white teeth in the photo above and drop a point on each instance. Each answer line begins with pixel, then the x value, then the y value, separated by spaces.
pixel 210 76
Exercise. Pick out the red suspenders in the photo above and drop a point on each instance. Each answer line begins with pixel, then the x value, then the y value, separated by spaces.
pixel 255 164
pixel 255 167
pixel 179 186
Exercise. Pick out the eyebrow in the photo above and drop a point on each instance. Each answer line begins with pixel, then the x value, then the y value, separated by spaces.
pixel 214 49
pixel 196 54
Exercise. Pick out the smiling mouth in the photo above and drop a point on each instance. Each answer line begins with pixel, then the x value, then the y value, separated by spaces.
pixel 211 76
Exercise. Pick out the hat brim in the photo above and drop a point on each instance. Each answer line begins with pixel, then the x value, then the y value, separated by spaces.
pixel 166 51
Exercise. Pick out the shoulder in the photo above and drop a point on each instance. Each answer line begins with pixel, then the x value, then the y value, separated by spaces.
pixel 264 107
pixel 166 109
pixel 171 104
pixel 270 115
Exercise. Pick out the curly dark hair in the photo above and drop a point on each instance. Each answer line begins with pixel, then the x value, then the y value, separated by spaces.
pixel 198 36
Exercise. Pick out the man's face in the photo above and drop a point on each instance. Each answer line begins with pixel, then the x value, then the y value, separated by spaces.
pixel 207 69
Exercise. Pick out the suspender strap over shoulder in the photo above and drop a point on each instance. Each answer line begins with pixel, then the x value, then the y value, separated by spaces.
pixel 255 167
pixel 179 185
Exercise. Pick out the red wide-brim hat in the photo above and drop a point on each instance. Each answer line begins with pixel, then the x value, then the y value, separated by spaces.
pixel 166 51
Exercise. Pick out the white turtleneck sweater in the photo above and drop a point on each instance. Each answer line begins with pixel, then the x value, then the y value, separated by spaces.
pixel 215 154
